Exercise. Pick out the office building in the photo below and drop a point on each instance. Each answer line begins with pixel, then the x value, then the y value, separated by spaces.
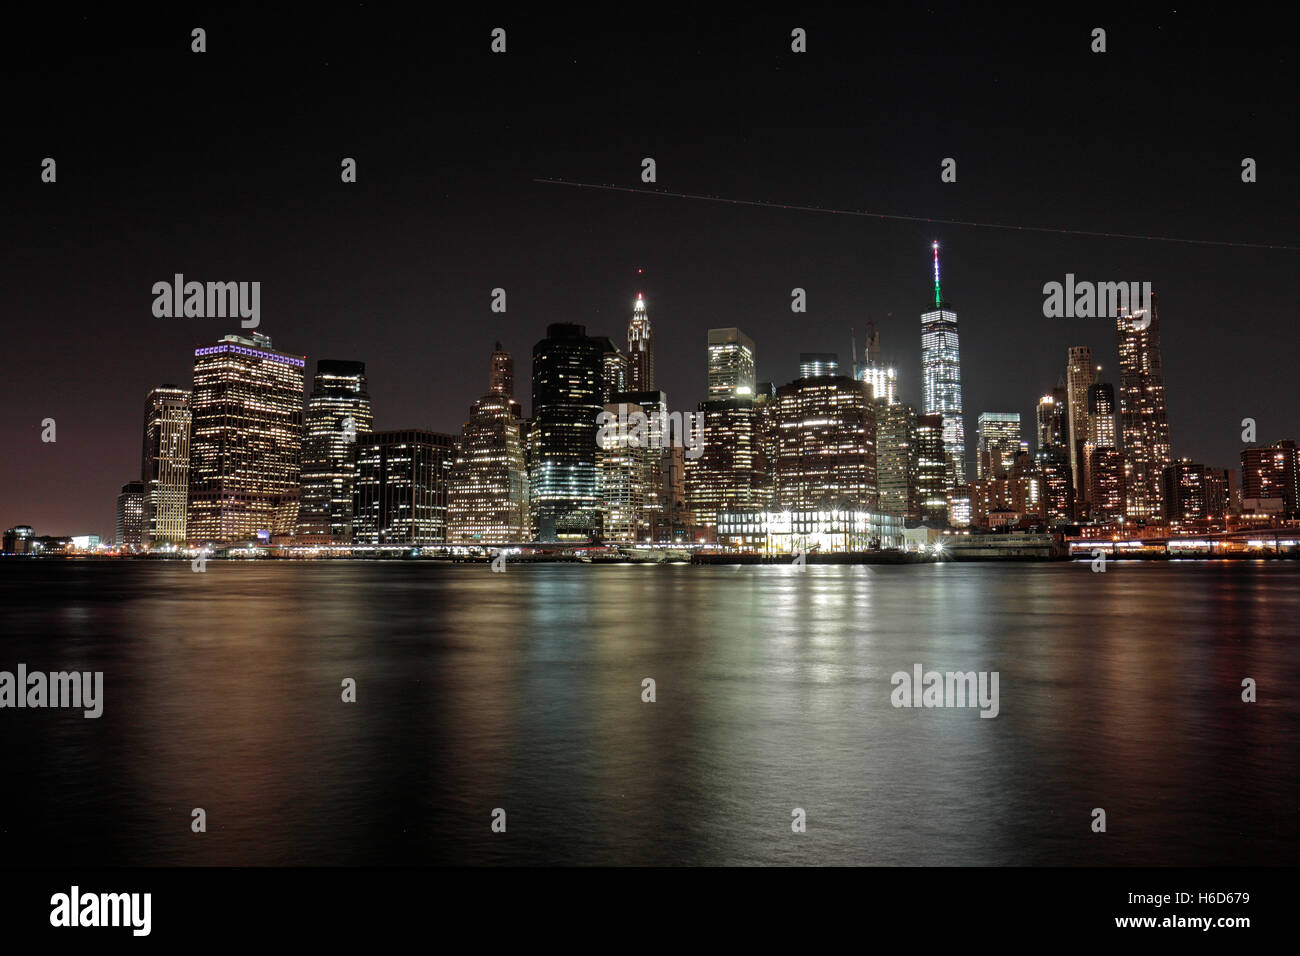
pixel 826 445
pixel 941 378
pixel 640 349
pixel 130 525
pixel 731 364
pixel 246 440
pixel 1144 420
pixel 337 410
pixel 569 393
pixel 487 490
pixel 165 464
pixel 998 443
pixel 400 487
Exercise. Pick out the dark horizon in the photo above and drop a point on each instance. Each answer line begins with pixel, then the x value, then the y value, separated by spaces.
pixel 221 166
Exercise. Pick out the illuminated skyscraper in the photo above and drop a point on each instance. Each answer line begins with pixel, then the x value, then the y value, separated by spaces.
pixel 640 349
pixel 931 470
pixel 1272 472
pixel 569 393
pixel 1056 490
pixel 897 460
pixel 722 477
pixel 1080 374
pixel 999 443
pixel 615 370
pixel 131 515
pixel 1105 464
pixel 165 464
pixel 653 461
pixel 487 491
pixel 1053 419
pixel 1183 495
pixel 765 444
pixel 400 488
pixel 246 443
pixel 941 378
pixel 731 364
pixel 882 378
pixel 1144 420
pixel 339 408
pixel 501 378
pixel 818 364
pixel 826 445
pixel 630 454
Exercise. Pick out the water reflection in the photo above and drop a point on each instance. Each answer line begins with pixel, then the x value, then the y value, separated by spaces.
pixel 523 691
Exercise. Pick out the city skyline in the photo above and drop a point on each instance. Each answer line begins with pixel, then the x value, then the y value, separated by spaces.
pixel 397 270
pixel 1080 359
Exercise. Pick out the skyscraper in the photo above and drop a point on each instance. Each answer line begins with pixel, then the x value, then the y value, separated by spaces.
pixel 1056 488
pixel 640 349
pixel 338 408
pixel 615 370
pixel 721 478
pixel 818 364
pixel 897 460
pixel 569 392
pixel 1272 472
pixel 731 364
pixel 882 378
pixel 165 464
pixel 931 470
pixel 826 445
pixel 765 444
pixel 941 378
pixel 642 464
pixel 400 488
pixel 487 491
pixel 1053 418
pixel 1144 420
pixel 1105 466
pixel 501 378
pixel 1080 374
pixel 999 443
pixel 131 515
pixel 246 444
pixel 1183 496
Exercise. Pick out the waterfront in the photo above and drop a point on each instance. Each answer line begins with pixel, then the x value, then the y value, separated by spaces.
pixel 522 690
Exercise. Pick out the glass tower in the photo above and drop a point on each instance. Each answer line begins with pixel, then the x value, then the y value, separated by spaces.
pixel 941 378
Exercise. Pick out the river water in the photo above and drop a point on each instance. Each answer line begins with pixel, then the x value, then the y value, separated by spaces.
pixel 522 691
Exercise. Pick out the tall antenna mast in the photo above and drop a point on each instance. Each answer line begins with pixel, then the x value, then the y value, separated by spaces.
pixel 937 299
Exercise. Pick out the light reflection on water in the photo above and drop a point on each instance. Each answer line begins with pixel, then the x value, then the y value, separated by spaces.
pixel 523 691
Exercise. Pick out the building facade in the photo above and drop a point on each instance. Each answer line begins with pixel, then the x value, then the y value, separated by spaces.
pixel 487 494
pixel 640 349
pixel 826 445
pixel 731 365
pixel 246 440
pixel 165 464
pixel 897 460
pixel 400 487
pixel 569 393
pixel 131 511
pixel 1144 420
pixel 337 410
pixel 941 378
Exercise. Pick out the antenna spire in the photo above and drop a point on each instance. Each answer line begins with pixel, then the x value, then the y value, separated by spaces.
pixel 937 299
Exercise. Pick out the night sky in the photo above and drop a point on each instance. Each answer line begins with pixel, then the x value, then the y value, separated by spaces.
pixel 225 166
